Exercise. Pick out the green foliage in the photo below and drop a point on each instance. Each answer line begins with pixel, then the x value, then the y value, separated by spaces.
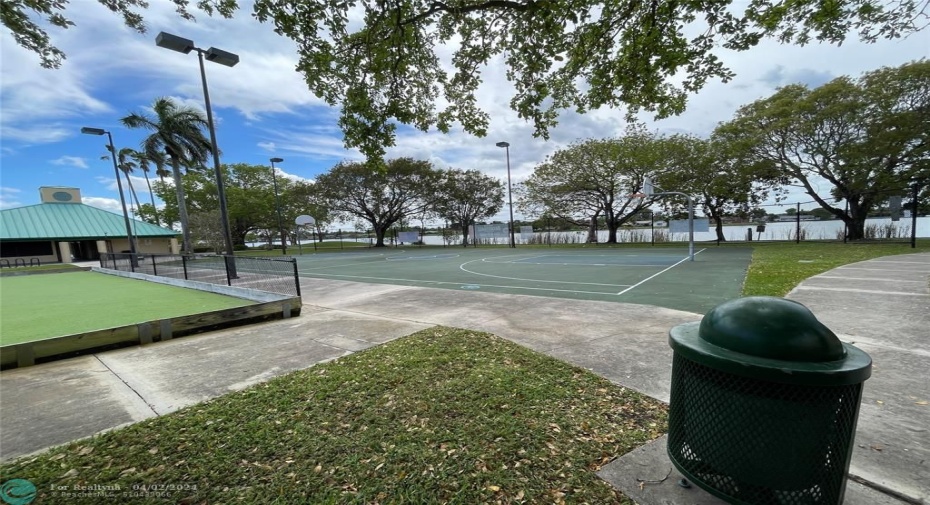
pixel 721 177
pixel 30 34
pixel 441 416
pixel 380 194
pixel 466 196
pixel 867 138
pixel 597 178
pixel 580 54
pixel 577 54
pixel 250 201
pixel 177 131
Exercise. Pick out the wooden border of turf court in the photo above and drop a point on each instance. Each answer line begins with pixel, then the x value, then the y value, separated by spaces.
pixel 50 349
pixel 270 306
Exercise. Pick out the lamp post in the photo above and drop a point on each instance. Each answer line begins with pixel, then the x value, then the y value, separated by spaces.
pixel 182 45
pixel 122 199
pixel 277 203
pixel 506 145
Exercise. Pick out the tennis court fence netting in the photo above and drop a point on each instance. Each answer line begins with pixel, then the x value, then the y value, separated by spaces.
pixel 275 275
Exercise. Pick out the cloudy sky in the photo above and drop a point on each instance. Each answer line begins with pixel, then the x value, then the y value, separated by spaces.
pixel 264 109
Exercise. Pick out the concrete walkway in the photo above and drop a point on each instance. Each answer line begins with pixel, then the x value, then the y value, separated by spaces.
pixel 58 402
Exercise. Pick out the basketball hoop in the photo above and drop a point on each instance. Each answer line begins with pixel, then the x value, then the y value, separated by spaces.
pixel 638 195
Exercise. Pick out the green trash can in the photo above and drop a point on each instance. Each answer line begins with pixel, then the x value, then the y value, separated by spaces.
pixel 764 403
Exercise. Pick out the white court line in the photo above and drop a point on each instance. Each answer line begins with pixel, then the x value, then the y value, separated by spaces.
pixel 658 274
pixel 870 279
pixel 512 261
pixel 907 262
pixel 462 268
pixel 428 257
pixel 869 291
pixel 467 283
pixel 883 270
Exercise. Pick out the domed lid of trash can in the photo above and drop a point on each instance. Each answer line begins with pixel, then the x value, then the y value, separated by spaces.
pixel 770 338
pixel 770 327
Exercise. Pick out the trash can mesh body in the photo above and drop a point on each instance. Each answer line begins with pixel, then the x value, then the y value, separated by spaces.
pixel 760 442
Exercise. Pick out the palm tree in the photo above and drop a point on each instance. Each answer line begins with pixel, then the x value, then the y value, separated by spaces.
pixel 178 131
pixel 143 162
pixel 124 160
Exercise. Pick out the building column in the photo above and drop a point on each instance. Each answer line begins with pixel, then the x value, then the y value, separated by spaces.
pixel 65 248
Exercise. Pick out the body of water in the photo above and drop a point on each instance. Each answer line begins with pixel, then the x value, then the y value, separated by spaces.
pixel 810 230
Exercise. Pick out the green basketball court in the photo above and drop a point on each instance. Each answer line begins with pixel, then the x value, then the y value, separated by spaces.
pixel 655 276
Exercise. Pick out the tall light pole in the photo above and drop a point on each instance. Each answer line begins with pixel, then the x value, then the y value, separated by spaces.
pixel 506 145
pixel 122 199
pixel 277 203
pixel 182 45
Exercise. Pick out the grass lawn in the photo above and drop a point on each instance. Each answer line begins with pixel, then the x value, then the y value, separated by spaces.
pixel 776 268
pixel 34 307
pixel 441 416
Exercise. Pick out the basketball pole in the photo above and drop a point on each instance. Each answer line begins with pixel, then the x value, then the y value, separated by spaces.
pixel 648 190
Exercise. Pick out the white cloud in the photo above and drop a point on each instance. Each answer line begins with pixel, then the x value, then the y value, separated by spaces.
pixel 293 177
pixel 74 161
pixel 9 198
pixel 109 204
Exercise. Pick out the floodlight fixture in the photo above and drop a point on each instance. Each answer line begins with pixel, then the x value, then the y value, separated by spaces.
pixel 277 160
pixel 503 144
pixel 93 131
pixel 175 43
pixel 222 57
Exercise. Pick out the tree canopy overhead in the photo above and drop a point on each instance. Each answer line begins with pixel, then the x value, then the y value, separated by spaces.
pixel 866 138
pixel 560 54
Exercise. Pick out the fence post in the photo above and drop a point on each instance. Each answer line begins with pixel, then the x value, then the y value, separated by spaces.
pixel 914 216
pixel 549 230
pixel 154 267
pixel 845 224
pixel 340 239
pixel 184 264
pixel 228 273
pixel 797 231
pixel 296 276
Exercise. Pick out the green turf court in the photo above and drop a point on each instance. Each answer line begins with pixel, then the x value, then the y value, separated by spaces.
pixel 34 307
pixel 660 276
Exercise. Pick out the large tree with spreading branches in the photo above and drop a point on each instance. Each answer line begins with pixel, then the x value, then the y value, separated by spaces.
pixel 383 63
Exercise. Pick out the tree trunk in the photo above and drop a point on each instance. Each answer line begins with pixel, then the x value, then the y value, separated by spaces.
pixel 380 231
pixel 855 221
pixel 182 207
pixel 855 227
pixel 132 192
pixel 152 196
pixel 718 221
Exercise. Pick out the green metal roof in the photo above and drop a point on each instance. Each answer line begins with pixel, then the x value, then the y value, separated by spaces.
pixel 59 221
